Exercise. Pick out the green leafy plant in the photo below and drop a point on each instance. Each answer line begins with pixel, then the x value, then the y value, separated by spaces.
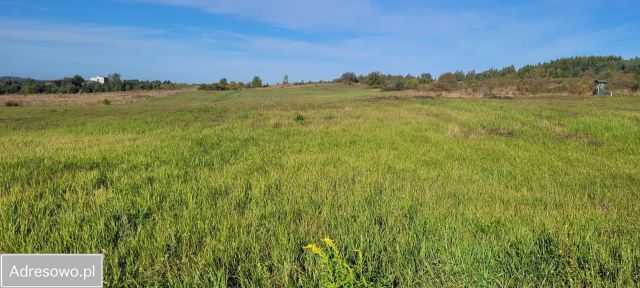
pixel 298 118
pixel 335 270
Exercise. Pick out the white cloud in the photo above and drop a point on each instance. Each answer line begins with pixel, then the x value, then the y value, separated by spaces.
pixel 407 39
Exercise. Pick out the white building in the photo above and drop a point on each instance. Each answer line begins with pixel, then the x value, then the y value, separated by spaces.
pixel 99 79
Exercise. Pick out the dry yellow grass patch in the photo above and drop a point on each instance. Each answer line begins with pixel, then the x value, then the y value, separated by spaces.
pixel 83 98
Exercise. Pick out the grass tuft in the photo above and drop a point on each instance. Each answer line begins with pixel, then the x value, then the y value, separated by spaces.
pixel 12 103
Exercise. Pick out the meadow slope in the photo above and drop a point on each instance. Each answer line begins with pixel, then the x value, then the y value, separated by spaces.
pixel 225 188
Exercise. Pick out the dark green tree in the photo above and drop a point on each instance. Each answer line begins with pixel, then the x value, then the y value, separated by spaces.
pixel 375 80
pixel 471 75
pixel 256 82
pixel 459 75
pixel 426 78
pixel 115 82
pixel 398 84
pixel 77 81
pixel 446 82
pixel 348 78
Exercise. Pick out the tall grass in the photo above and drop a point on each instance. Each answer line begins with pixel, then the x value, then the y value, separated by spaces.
pixel 224 188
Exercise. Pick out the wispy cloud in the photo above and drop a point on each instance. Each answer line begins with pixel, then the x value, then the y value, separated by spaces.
pixel 311 16
pixel 31 47
pixel 324 38
pixel 498 31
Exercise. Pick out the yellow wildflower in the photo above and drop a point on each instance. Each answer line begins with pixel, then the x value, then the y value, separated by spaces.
pixel 314 249
pixel 330 243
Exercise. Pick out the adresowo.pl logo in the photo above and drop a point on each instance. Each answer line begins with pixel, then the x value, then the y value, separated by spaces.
pixel 51 270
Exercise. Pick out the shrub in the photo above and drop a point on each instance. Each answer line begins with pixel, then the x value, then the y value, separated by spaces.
pixel 12 103
pixel 106 102
pixel 580 87
pixel 636 85
pixel 298 118
pixel 446 82
pixel 220 86
pixel 348 78
pixel 397 85
pixel 375 80
pixel 335 271
pixel 488 93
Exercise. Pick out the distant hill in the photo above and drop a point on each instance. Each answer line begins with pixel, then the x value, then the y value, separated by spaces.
pixel 16 79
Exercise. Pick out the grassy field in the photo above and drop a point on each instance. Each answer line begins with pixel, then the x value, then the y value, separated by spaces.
pixel 225 188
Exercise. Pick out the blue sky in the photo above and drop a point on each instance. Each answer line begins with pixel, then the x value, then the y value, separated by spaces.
pixel 204 40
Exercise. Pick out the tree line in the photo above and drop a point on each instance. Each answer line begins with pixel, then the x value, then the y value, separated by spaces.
pixel 77 84
pixel 223 84
pixel 566 75
pixel 571 75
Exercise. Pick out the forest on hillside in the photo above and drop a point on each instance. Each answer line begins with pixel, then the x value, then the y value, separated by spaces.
pixel 567 75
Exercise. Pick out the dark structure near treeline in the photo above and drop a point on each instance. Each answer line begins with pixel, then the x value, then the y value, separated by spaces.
pixel 601 88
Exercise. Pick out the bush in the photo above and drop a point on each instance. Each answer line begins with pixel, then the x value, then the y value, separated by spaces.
pixel 212 87
pixel 106 102
pixel 446 82
pixel 12 103
pixel 375 80
pixel 398 85
pixel 636 85
pixel 298 118
pixel 348 78
pixel 220 86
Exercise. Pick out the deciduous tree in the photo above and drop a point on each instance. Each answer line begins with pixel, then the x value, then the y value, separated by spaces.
pixel 256 82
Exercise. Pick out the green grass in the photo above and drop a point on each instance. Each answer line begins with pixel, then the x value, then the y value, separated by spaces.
pixel 225 188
